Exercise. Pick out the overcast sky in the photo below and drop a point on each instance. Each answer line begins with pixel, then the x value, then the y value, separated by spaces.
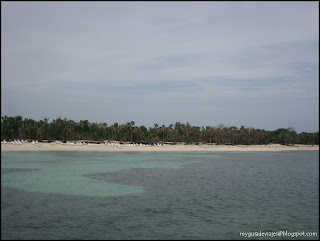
pixel 254 64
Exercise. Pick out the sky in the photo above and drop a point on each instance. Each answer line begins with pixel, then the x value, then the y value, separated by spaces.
pixel 252 64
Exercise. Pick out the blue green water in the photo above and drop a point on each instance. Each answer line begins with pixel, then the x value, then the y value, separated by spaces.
pixel 157 195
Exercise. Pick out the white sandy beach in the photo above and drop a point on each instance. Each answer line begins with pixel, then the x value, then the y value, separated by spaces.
pixel 176 148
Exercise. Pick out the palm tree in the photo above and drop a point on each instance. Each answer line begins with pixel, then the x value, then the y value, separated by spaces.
pixel 47 127
pixel 39 133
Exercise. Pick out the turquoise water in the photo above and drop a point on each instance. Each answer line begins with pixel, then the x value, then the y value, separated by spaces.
pixel 66 172
pixel 157 195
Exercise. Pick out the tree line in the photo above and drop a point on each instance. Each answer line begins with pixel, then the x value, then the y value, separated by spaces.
pixel 67 130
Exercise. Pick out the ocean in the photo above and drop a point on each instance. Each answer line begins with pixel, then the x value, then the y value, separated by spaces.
pixel 159 195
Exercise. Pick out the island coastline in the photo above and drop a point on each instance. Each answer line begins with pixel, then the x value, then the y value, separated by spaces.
pixel 154 148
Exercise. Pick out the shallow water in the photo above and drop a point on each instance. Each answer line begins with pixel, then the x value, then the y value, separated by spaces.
pixel 158 195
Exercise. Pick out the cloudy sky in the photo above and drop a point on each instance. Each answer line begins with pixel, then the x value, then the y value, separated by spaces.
pixel 254 64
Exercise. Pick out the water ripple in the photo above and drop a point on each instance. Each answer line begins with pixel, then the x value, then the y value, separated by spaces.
pixel 196 197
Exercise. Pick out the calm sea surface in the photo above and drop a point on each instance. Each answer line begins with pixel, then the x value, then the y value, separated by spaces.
pixel 158 195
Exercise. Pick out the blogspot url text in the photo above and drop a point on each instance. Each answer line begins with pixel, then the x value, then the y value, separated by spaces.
pixel 278 234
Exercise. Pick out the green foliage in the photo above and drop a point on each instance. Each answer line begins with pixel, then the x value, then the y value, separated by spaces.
pixel 63 129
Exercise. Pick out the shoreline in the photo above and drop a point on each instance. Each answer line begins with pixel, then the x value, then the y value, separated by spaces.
pixel 167 148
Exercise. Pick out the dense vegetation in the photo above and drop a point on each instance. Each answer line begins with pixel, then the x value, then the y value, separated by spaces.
pixel 63 129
